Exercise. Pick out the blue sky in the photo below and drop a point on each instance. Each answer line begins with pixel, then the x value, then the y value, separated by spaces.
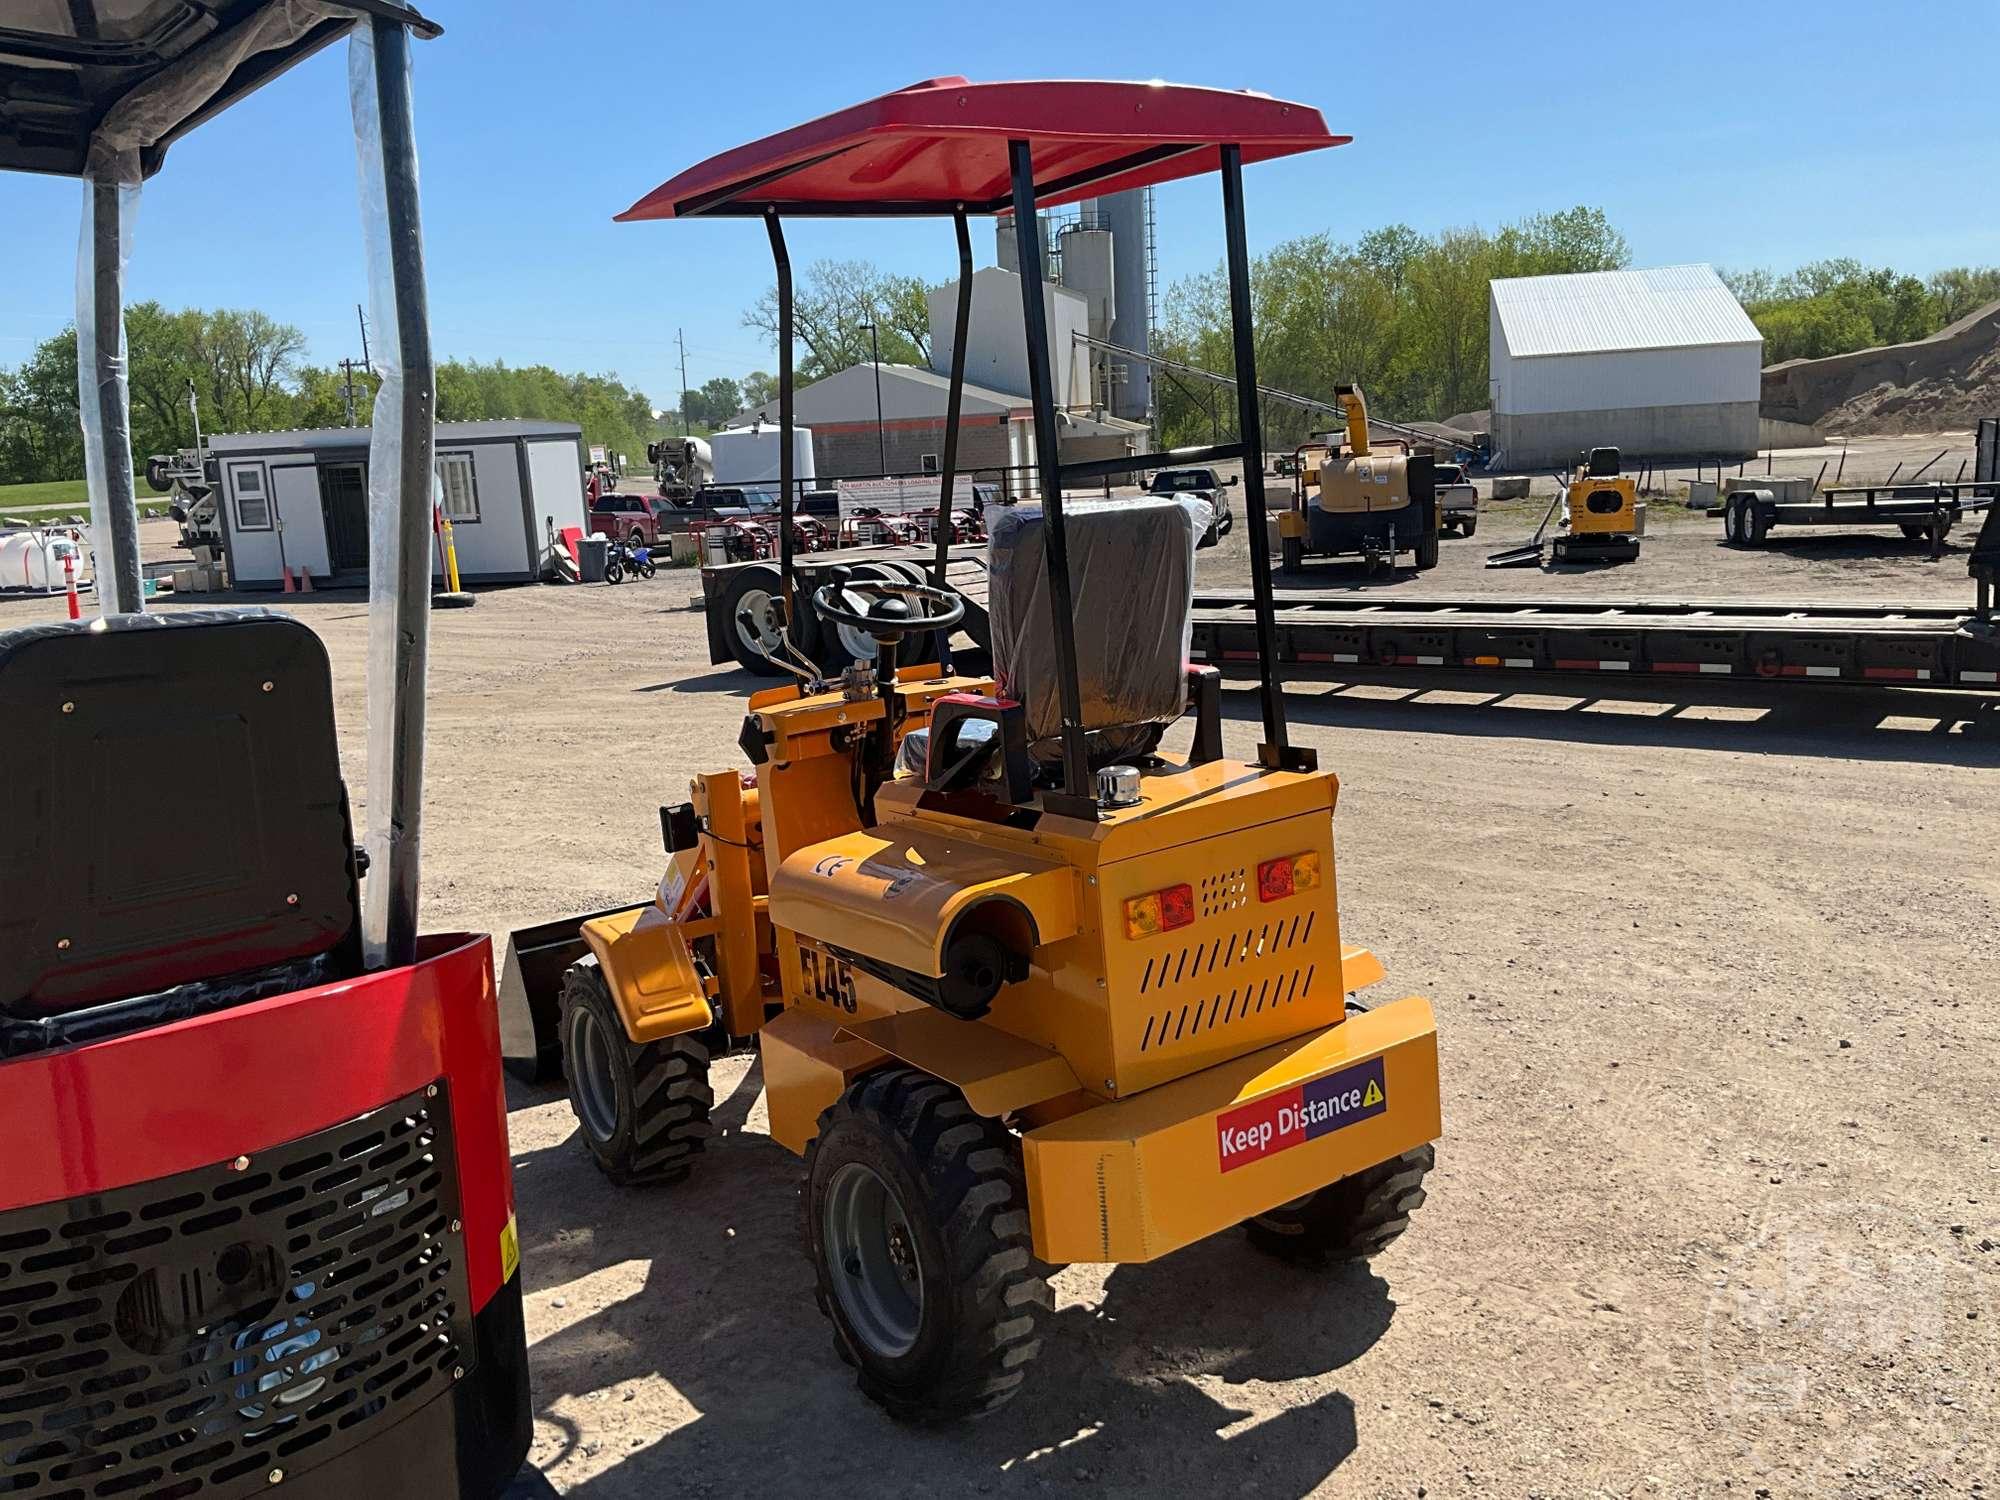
pixel 1741 134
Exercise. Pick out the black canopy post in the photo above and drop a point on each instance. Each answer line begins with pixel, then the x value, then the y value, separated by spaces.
pixel 782 260
pixel 410 600
pixel 954 402
pixel 1076 800
pixel 1275 752
pixel 121 590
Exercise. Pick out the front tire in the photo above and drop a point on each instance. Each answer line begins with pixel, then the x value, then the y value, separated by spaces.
pixel 916 1220
pixel 1351 1219
pixel 642 1109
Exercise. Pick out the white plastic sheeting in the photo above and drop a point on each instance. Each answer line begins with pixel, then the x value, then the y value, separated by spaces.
pixel 388 842
pixel 102 386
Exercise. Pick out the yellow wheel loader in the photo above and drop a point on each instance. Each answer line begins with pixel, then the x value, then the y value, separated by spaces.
pixel 1027 991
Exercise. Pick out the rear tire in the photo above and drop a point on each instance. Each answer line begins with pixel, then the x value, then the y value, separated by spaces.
pixel 1291 554
pixel 642 1110
pixel 1351 1219
pixel 1754 525
pixel 1732 523
pixel 916 1220
pixel 759 588
pixel 1426 552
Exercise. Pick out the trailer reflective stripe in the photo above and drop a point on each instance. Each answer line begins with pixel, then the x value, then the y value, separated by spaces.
pixel 1519 661
pixel 1900 674
pixel 1591 664
pixel 1419 661
pixel 1810 671
pixel 1979 676
pixel 1347 656
pixel 1239 656
pixel 1197 653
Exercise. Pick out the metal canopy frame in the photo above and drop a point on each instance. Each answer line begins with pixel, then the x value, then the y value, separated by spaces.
pixel 106 110
pixel 949 147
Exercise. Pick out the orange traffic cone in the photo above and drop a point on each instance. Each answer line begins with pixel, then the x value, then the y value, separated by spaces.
pixel 69 585
pixel 287 574
pixel 305 580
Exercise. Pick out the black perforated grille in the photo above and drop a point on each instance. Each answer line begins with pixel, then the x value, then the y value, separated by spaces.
pixel 196 1334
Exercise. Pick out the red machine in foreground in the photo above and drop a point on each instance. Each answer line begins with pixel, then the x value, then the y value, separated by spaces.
pixel 256 1207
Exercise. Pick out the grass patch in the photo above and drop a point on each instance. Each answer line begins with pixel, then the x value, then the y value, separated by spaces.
pixel 66 497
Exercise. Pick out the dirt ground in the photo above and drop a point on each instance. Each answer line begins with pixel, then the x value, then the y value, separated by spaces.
pixel 1717 1209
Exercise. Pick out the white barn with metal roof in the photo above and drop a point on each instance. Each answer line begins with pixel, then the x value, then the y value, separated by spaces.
pixel 1661 364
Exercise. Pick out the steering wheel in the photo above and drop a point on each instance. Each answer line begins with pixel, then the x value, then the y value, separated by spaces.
pixel 894 609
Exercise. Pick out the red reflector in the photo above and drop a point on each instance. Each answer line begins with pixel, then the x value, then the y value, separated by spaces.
pixel 1274 879
pixel 1176 907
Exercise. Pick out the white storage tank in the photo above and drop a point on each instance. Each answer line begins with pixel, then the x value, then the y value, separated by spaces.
pixel 747 458
pixel 34 560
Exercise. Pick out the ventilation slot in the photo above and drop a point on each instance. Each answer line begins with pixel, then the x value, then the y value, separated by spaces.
pixel 240 1326
pixel 1180 1023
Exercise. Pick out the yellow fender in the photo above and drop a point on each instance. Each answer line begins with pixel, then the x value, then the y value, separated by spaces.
pixel 650 972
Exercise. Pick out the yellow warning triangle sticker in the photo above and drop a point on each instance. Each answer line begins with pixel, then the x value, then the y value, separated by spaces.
pixel 1373 1096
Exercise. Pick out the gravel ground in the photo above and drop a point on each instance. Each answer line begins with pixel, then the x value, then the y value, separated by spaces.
pixel 1718 1199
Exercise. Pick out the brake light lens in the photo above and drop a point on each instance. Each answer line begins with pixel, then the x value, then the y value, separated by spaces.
pixel 1288 875
pixel 1159 911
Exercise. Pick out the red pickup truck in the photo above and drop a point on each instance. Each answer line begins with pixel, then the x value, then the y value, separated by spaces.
pixel 640 520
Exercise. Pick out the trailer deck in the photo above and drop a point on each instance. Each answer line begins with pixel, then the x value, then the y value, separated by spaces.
pixel 1760 639
pixel 1917 510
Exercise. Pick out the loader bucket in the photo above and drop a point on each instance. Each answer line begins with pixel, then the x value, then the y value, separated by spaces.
pixel 531 991
pixel 1528 556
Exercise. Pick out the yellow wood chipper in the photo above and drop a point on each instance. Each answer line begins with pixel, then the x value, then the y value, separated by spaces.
pixel 1361 500
pixel 1026 991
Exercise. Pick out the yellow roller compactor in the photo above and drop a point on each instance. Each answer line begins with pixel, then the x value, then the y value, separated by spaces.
pixel 1358 500
pixel 1026 990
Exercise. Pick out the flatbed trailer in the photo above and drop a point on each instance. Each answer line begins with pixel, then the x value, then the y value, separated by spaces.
pixel 1826 643
pixel 1917 510
pixel 727 589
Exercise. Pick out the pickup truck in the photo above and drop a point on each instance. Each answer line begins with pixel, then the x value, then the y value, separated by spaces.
pixel 1203 484
pixel 1458 501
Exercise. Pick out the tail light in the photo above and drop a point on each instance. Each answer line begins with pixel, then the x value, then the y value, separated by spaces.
pixel 1159 911
pixel 1288 875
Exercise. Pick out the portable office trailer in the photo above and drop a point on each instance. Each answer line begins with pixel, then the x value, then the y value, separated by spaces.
pixel 299 499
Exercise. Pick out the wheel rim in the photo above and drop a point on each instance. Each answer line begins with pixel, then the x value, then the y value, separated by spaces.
pixel 872 1261
pixel 763 629
pixel 592 1088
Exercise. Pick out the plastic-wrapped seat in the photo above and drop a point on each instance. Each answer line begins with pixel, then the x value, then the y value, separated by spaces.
pixel 1131 568
pixel 178 834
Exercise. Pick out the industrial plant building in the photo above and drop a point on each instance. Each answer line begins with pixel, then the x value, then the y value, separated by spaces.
pixel 1661 364
pixel 870 419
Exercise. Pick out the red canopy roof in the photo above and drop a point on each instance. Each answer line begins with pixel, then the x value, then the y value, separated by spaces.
pixel 942 144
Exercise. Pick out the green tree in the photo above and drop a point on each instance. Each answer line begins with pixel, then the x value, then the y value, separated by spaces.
pixel 1962 290
pixel 757 387
pixel 832 310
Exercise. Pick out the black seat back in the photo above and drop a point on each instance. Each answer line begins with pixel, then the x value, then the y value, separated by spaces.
pixel 1131 566
pixel 172 807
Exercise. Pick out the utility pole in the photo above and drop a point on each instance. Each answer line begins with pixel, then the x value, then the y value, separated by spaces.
pixel 678 339
pixel 881 440
pixel 347 387
pixel 348 366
